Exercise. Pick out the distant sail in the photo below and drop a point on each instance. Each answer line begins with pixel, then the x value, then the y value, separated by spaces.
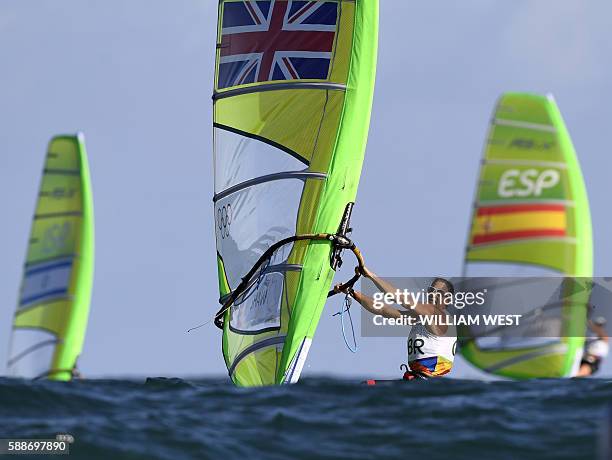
pixel 51 316
pixel 293 93
pixel 531 218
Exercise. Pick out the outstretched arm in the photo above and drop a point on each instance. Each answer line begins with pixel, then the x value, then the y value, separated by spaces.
pixel 367 302
pixel 415 309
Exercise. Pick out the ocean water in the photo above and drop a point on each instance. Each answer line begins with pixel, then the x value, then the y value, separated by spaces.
pixel 175 419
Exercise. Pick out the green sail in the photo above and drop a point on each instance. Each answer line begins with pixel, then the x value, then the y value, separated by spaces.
pixel 53 309
pixel 293 93
pixel 531 217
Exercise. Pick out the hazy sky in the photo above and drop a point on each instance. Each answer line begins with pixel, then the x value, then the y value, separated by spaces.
pixel 136 77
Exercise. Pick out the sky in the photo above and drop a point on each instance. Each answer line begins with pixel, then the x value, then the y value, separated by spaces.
pixel 136 77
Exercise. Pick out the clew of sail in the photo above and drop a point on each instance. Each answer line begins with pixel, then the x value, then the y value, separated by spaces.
pixel 293 92
pixel 531 218
pixel 51 316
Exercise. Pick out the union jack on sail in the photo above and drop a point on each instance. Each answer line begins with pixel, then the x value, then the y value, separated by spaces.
pixel 276 40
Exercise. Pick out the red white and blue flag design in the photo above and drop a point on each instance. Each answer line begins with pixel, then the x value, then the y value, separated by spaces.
pixel 276 40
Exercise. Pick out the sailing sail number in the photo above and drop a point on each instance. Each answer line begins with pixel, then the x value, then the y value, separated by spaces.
pixel 531 182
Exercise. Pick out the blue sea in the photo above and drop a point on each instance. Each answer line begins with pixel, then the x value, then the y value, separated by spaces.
pixel 159 418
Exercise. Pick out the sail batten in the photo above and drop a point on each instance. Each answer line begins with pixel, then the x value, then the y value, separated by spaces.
pixel 278 87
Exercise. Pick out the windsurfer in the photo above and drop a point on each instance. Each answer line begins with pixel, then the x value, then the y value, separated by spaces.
pixel 595 349
pixel 431 347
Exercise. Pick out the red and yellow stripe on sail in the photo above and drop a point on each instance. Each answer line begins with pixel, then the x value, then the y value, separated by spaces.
pixel 496 224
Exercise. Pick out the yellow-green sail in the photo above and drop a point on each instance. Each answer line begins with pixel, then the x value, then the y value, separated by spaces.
pixel 51 316
pixel 293 93
pixel 531 218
